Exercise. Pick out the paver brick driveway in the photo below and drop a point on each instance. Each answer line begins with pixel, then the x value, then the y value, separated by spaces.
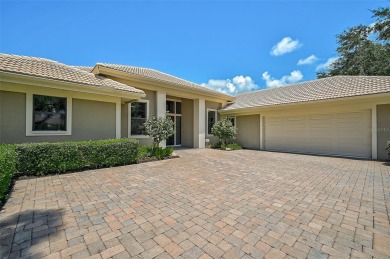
pixel 207 203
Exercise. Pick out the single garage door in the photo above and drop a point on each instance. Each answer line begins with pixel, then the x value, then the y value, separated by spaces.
pixel 340 134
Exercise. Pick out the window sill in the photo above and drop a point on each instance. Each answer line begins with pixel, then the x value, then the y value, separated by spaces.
pixel 138 136
pixel 48 133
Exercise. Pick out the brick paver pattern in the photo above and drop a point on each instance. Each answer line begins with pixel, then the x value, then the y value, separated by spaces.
pixel 206 204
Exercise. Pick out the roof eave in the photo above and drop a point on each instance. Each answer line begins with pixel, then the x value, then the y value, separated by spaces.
pixel 64 85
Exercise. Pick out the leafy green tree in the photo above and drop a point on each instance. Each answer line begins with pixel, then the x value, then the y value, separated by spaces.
pixel 224 130
pixel 159 128
pixel 363 50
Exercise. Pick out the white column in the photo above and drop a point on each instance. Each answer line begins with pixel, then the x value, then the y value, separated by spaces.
pixel 161 98
pixel 118 119
pixel 199 123
pixel 374 131
pixel 261 133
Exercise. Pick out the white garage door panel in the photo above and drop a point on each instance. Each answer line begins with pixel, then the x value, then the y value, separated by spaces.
pixel 343 134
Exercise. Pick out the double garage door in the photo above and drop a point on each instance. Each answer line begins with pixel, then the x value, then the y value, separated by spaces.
pixel 340 134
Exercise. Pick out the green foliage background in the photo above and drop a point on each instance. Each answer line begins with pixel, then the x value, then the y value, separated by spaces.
pixel 363 49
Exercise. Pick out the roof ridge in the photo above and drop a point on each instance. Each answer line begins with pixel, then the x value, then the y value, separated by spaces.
pixel 321 89
pixel 284 86
pixel 308 82
pixel 51 69
pixel 181 81
pixel 152 70
pixel 45 60
pixel 112 64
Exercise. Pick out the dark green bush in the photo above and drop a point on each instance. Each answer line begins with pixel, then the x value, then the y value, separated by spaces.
pixel 233 146
pixel 46 158
pixel 143 152
pixel 160 152
pixel 7 168
pixel 388 149
pixel 216 145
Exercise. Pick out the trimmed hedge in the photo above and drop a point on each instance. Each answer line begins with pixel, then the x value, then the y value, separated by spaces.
pixel 7 169
pixel 388 149
pixel 48 158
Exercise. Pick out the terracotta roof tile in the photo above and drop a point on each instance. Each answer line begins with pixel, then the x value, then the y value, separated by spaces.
pixel 320 89
pixel 49 69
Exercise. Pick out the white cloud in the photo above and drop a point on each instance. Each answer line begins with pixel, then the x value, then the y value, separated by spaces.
pixel 285 46
pixel 326 65
pixel 307 61
pixel 294 76
pixel 239 84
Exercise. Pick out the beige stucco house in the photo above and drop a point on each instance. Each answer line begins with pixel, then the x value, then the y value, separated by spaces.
pixel 43 100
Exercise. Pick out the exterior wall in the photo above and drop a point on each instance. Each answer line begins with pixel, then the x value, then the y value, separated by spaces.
pixel 124 120
pixel 383 135
pixel 91 120
pixel 248 131
pixel 189 102
pixel 378 106
pixel 187 122
pixel 12 117
pixel 151 96
pixel 214 106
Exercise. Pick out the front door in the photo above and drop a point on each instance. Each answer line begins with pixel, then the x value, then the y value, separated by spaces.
pixel 173 109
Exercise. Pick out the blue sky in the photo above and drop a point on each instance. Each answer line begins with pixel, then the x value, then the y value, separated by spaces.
pixel 233 46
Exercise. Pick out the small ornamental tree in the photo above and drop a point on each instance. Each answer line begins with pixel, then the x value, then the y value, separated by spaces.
pixel 224 130
pixel 160 129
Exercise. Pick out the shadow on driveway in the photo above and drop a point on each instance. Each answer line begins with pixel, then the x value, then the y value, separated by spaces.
pixel 24 233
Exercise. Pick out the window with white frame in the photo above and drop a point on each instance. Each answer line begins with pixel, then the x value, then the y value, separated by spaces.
pixel 211 119
pixel 138 114
pixel 48 115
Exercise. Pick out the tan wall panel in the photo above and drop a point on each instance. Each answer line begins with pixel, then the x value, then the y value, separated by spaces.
pixel 187 123
pixel 383 135
pixel 12 117
pixel 91 120
pixel 248 131
pixel 124 120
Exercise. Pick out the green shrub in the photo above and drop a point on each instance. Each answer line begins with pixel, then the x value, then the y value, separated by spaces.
pixel 216 145
pixel 160 152
pixel 224 130
pixel 46 158
pixel 159 129
pixel 233 146
pixel 7 168
pixel 143 152
pixel 388 149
